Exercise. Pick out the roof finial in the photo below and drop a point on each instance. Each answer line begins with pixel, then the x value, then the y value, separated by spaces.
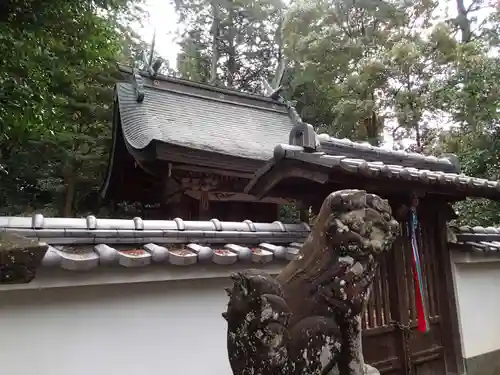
pixel 302 134
pixel 151 54
pixel 152 68
pixel 274 91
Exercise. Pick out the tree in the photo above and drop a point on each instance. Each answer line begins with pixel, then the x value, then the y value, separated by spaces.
pixel 470 95
pixel 232 43
pixel 56 96
pixel 361 65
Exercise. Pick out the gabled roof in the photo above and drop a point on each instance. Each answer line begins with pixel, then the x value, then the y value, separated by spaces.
pixel 209 118
pixel 201 117
pixel 160 119
pixel 162 122
pixel 293 161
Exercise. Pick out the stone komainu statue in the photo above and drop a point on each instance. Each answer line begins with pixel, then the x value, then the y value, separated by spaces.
pixel 307 321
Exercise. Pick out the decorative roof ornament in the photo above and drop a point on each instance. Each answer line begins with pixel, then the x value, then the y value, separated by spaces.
pixel 152 68
pixel 149 66
pixel 138 85
pixel 302 134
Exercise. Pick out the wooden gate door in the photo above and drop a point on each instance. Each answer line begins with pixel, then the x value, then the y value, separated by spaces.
pixel 392 342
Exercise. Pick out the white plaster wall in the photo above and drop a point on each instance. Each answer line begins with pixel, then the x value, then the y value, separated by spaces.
pixel 478 300
pixel 164 328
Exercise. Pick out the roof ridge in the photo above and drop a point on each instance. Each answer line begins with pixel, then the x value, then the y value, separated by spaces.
pixel 204 86
pixel 38 222
pixel 448 160
pixel 481 239
pixel 478 229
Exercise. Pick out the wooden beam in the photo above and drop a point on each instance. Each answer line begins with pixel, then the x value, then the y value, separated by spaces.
pixel 178 155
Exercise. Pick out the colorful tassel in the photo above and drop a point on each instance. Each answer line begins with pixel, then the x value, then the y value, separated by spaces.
pixel 422 312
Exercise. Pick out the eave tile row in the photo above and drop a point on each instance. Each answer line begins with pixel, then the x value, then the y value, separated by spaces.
pixel 83 258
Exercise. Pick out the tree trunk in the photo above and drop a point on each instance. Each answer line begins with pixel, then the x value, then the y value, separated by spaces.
pixel 231 52
pixel 215 43
pixel 463 22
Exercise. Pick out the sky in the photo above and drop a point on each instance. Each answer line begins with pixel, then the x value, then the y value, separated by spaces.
pixel 161 17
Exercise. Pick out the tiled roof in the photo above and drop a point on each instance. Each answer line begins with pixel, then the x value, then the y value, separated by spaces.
pixel 86 243
pixel 202 116
pixel 472 186
pixel 202 122
pixel 369 153
pixel 479 238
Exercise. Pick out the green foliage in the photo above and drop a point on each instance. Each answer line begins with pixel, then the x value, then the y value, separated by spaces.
pixel 289 214
pixel 363 68
pixel 360 70
pixel 56 79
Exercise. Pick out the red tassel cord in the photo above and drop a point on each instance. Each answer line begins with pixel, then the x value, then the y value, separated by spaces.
pixel 422 312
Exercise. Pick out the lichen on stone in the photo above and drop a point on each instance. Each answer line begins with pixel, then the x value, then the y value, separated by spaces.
pixel 308 320
pixel 19 258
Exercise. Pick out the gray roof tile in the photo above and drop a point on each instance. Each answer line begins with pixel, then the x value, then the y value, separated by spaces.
pixel 472 185
pixel 481 239
pixel 86 243
pixel 203 123
pixel 76 244
pixel 83 258
pixel 369 153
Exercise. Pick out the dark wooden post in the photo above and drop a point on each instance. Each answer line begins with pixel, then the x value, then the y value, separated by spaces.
pixel 399 297
pixel 446 296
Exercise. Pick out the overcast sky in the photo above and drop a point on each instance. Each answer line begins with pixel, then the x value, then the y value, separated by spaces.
pixel 162 17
